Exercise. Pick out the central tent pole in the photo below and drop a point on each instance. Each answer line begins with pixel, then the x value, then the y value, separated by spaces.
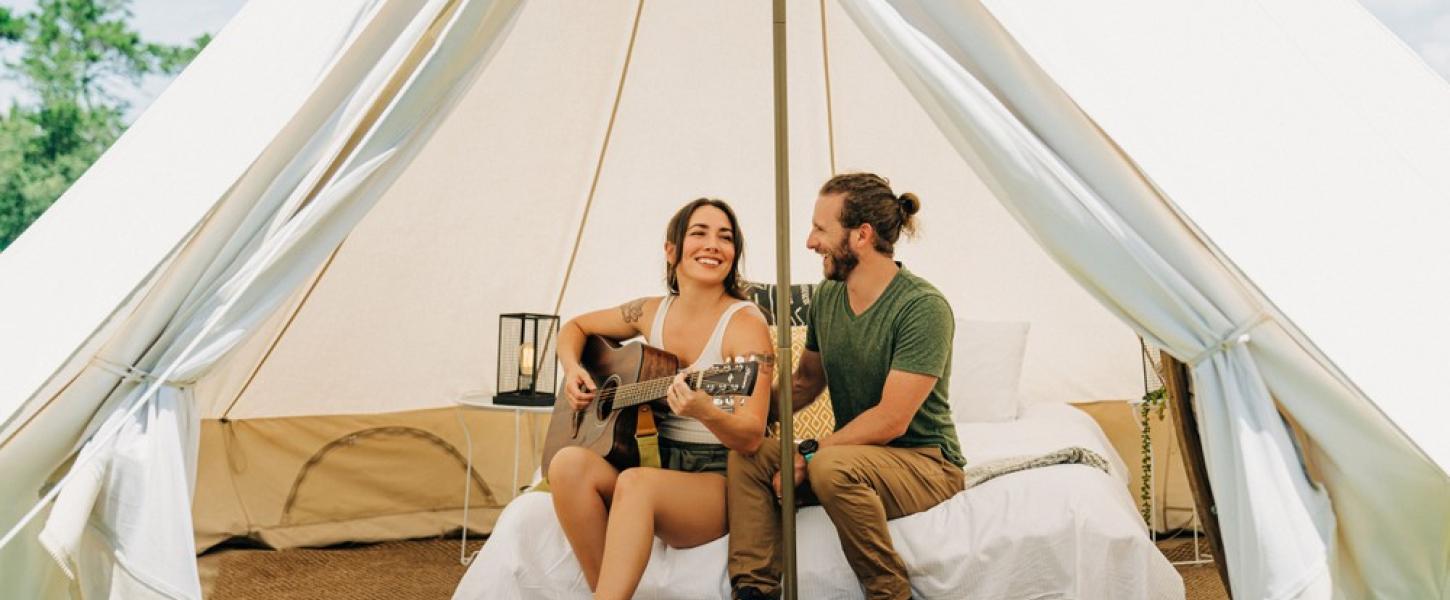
pixel 782 313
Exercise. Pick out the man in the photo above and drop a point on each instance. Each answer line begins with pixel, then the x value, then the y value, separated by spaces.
pixel 881 338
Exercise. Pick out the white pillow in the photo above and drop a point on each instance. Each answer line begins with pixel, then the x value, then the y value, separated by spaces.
pixel 986 364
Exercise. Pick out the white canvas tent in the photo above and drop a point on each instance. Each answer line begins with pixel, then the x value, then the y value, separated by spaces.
pixel 312 232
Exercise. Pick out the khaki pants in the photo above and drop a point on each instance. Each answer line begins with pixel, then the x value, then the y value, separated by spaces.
pixel 859 486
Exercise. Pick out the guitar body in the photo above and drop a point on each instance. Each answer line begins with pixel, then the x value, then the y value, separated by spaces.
pixel 600 428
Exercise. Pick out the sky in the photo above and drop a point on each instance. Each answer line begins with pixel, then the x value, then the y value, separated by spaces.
pixel 1424 25
pixel 164 21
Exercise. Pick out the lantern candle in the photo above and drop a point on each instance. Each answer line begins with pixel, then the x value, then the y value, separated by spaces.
pixel 526 365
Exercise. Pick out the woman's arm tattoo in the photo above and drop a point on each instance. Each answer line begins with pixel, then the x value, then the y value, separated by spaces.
pixel 632 310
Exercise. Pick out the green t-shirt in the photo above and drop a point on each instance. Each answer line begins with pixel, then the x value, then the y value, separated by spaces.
pixel 908 328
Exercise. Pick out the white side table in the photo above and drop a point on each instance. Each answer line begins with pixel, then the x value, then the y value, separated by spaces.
pixel 483 400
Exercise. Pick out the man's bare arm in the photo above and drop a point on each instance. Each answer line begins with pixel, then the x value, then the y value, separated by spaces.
pixel 901 397
pixel 808 381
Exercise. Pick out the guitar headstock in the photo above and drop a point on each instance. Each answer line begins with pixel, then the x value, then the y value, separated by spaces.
pixel 733 378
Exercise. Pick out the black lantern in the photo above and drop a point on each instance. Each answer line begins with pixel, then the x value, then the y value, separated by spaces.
pixel 526 371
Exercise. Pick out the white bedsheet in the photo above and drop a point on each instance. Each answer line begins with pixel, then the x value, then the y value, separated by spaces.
pixel 1066 531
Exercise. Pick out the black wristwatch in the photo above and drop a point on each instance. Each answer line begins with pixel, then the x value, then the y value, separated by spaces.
pixel 808 448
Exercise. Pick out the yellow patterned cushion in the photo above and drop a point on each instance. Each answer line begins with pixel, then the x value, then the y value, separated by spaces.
pixel 814 421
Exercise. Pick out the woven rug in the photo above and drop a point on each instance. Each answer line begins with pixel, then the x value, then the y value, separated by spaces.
pixel 1201 582
pixel 426 569
pixel 418 569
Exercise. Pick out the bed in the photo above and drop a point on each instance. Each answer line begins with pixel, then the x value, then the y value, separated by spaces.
pixel 1063 531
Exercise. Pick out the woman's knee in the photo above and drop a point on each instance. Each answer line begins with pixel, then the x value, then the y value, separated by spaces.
pixel 565 465
pixel 575 466
pixel 637 483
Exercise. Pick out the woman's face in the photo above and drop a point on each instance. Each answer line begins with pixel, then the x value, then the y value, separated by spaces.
pixel 709 247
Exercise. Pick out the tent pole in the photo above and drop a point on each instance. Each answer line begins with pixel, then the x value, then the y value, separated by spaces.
pixel 782 312
pixel 1185 423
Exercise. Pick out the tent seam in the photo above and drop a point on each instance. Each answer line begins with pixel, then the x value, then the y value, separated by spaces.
pixel 272 347
pixel 826 69
pixel 603 152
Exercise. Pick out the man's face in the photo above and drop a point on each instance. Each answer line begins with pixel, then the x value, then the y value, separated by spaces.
pixel 830 240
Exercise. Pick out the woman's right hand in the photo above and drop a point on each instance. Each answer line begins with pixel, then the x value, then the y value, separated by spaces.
pixel 579 387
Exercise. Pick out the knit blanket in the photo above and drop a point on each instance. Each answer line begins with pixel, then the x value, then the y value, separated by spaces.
pixel 1075 455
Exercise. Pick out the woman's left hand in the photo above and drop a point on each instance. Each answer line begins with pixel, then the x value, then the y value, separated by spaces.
pixel 685 401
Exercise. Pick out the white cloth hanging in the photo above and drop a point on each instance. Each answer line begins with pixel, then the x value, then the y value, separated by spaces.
pixel 1069 193
pixel 120 525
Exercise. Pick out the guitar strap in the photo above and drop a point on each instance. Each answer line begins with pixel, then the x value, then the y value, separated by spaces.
pixel 647 438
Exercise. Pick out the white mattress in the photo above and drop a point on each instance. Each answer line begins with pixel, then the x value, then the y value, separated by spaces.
pixel 1065 531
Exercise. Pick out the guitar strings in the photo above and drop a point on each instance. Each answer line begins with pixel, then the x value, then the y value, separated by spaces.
pixel 654 386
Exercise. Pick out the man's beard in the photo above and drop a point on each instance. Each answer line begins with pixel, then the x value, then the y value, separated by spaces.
pixel 843 261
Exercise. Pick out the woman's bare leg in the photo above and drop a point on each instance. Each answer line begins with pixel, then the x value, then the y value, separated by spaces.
pixel 683 509
pixel 582 484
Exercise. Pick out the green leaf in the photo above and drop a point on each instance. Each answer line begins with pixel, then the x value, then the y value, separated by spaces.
pixel 11 28
pixel 78 58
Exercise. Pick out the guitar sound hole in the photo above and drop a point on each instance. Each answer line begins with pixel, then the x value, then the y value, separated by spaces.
pixel 605 402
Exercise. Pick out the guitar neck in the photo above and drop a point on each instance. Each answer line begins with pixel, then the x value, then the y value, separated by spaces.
pixel 650 390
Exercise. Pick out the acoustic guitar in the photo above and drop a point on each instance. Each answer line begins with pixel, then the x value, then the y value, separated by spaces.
pixel 632 377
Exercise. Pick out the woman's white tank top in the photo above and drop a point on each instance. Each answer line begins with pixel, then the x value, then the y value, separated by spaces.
pixel 678 427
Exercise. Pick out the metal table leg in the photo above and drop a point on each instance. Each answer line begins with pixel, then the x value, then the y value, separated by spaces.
pixel 518 421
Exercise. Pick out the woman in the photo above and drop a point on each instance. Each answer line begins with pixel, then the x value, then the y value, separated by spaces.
pixel 610 517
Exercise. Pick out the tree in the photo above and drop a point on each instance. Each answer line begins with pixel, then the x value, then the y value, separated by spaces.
pixel 77 56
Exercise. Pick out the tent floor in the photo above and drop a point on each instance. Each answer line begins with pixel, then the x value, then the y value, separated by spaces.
pixel 421 569
pixel 429 568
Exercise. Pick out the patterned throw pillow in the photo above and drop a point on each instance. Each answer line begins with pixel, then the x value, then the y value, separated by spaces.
pixel 763 295
pixel 815 420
